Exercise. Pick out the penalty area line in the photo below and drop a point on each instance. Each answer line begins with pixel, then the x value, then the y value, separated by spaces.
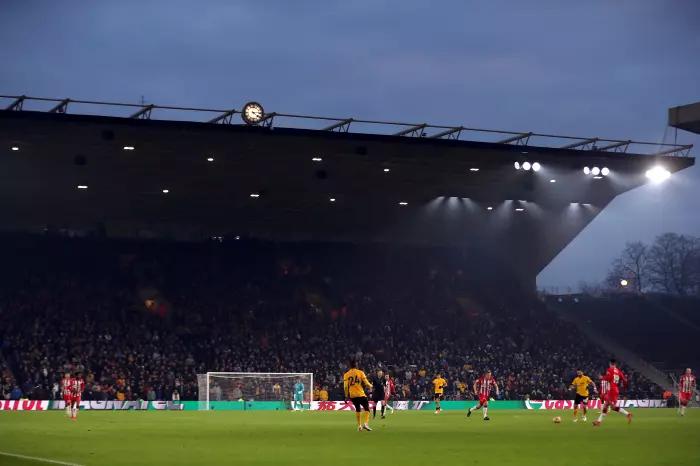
pixel 36 458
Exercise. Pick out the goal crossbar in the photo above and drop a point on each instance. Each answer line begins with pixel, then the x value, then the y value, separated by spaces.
pixel 262 377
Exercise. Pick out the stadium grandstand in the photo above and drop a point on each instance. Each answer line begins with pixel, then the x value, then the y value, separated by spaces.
pixel 209 243
pixel 159 257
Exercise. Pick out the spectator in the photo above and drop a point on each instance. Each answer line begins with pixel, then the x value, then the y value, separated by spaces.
pixel 16 393
pixel 323 394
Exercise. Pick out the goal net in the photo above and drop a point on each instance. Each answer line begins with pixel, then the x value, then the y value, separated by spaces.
pixel 293 390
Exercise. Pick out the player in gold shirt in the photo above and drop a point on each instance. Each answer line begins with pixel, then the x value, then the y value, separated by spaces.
pixel 581 383
pixel 354 382
pixel 439 385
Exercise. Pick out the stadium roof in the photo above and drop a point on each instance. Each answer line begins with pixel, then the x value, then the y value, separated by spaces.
pixel 419 184
pixel 686 117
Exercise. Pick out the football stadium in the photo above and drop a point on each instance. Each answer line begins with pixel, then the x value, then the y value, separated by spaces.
pixel 226 271
pixel 240 284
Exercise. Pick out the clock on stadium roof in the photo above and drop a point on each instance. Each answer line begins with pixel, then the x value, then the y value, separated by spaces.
pixel 253 113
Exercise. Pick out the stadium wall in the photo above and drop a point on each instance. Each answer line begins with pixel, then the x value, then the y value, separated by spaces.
pixel 46 405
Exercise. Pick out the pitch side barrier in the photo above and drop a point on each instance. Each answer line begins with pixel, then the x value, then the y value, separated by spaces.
pixel 46 405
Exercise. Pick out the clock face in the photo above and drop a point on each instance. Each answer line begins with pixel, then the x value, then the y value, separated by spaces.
pixel 253 113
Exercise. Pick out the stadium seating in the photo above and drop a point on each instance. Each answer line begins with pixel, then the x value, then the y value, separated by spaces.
pixel 141 319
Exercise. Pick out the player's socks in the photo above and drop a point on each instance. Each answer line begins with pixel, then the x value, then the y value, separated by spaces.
pixel 486 412
pixel 359 422
pixel 374 412
pixel 682 410
pixel 68 411
pixel 383 409
pixel 601 417
pixel 623 411
pixel 575 413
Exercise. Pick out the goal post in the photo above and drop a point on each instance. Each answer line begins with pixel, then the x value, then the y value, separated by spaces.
pixel 294 389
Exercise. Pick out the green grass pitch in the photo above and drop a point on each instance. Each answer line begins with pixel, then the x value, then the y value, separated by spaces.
pixel 522 438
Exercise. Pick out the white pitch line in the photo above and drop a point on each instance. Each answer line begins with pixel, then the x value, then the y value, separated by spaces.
pixel 35 458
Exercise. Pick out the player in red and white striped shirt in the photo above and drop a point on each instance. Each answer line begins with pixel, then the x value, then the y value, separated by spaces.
pixel 67 391
pixel 686 387
pixel 615 377
pixel 482 388
pixel 389 391
pixel 77 387
pixel 604 388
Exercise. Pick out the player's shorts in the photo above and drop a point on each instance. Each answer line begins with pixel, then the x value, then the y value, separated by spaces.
pixel 437 396
pixel 67 399
pixel 483 400
pixel 376 397
pixel 298 397
pixel 579 399
pixel 360 402
pixel 611 397
pixel 684 397
pixel 75 399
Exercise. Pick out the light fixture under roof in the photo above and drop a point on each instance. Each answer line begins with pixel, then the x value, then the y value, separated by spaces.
pixel 527 166
pixel 595 171
pixel 129 147
pixel 516 165
pixel 210 159
pixel 586 170
pixel 82 186
pixel 605 171
pixel 519 209
pixel 255 195
pixel 317 159
pixel 474 169
pixel 386 170
pixel 489 208
pixel 552 180
pixel 403 203
pixel 536 166
pixel 658 174
pixel 166 191
pixel 14 148
pixel 598 177
pixel 332 199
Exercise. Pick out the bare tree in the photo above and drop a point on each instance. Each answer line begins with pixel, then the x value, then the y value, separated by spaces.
pixel 590 288
pixel 632 266
pixel 673 264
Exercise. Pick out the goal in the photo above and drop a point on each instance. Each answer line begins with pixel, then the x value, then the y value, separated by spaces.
pixel 221 388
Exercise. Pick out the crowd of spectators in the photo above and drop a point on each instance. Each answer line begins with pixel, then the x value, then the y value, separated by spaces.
pixel 141 320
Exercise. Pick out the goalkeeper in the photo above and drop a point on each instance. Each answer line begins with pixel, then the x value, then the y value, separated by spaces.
pixel 298 396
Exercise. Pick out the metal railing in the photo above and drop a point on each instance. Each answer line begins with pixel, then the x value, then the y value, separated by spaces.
pixel 287 120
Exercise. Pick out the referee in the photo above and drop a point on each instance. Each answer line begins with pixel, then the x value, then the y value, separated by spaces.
pixel 378 392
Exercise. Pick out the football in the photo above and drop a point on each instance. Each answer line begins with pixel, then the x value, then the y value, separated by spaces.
pixel 557 419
